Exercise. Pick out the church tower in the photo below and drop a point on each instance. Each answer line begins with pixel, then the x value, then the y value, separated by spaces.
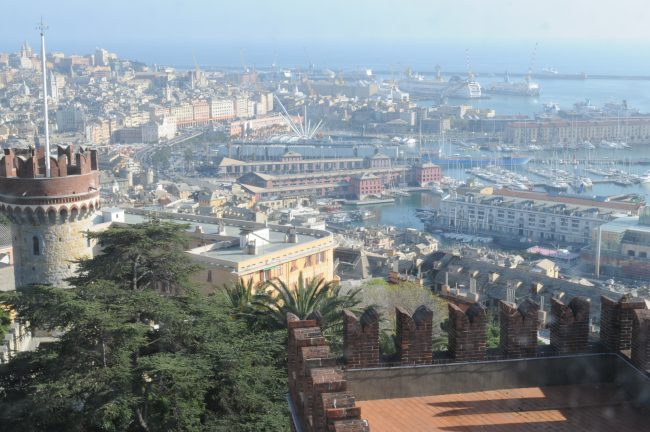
pixel 48 214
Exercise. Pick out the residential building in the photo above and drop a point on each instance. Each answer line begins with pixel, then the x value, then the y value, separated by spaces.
pixel 624 248
pixel 539 216
pixel 184 115
pixel 156 130
pixel 200 112
pixel 627 130
pixel 215 199
pixel 222 109
pixel 69 118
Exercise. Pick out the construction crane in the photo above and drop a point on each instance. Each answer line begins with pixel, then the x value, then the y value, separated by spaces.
pixel 198 69
pixel 469 68
pixel 341 77
pixel 406 68
pixel 311 65
pixel 530 69
pixel 242 60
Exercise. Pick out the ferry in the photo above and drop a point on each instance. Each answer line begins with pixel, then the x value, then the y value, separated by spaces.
pixel 473 161
pixel 515 88
pixel 455 87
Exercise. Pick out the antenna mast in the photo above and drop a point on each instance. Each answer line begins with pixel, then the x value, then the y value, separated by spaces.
pixel 42 27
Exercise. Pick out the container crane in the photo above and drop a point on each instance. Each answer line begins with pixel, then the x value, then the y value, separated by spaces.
pixel 469 68
pixel 406 68
pixel 198 69
pixel 311 65
pixel 311 91
pixel 242 60
pixel 275 57
pixel 530 69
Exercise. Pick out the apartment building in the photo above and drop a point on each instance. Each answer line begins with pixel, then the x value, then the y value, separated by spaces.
pixel 222 109
pixel 69 118
pixel 624 248
pixel 633 131
pixel 161 129
pixel 184 114
pixel 551 217
pixel 200 112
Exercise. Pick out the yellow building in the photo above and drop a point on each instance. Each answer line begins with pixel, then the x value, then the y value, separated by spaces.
pixel 209 199
pixel 231 250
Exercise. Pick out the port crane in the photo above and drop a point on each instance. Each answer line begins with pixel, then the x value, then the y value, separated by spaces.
pixel 311 65
pixel 341 77
pixel 406 68
pixel 275 57
pixel 530 69
pixel 469 68
pixel 311 91
pixel 242 60
pixel 198 69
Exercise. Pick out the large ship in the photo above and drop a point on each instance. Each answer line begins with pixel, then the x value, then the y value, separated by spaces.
pixel 526 88
pixel 456 87
pixel 474 161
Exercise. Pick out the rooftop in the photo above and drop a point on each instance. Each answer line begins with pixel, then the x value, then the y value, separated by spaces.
pixel 591 407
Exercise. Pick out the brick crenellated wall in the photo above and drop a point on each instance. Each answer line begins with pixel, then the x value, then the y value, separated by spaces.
pixel 467 333
pixel 570 326
pixel 414 336
pixel 640 342
pixel 361 339
pixel 316 386
pixel 519 329
pixel 616 323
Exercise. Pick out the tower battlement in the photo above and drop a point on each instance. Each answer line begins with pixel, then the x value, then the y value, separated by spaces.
pixel 49 215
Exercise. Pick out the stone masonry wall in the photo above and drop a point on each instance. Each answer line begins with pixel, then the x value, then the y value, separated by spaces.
pixel 570 326
pixel 59 244
pixel 616 323
pixel 518 329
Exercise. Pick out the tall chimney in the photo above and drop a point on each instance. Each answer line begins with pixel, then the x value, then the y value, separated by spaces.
pixel 598 253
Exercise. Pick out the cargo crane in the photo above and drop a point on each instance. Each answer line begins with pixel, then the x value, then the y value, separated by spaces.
pixel 275 57
pixel 198 69
pixel 341 77
pixel 406 68
pixel 311 91
pixel 469 68
pixel 530 69
pixel 311 65
pixel 242 60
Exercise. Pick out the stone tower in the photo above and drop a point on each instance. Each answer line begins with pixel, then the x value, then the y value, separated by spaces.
pixel 48 215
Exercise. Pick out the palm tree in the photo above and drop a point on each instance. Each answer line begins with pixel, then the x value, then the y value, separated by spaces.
pixel 241 296
pixel 317 295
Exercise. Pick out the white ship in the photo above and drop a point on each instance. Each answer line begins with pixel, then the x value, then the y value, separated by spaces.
pixel 621 110
pixel 548 70
pixel 516 88
pixel 455 87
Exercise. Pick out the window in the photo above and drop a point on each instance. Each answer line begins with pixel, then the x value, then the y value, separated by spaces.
pixel 280 270
pixel 37 246
pixel 294 266
pixel 308 261
pixel 630 253
pixel 167 287
pixel 323 257
pixel 89 243
pixel 250 277
pixel 643 254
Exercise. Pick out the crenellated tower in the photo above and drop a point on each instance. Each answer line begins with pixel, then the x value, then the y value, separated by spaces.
pixel 49 214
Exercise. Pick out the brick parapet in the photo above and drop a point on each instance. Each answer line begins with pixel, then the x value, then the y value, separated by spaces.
pixel 616 320
pixel 518 329
pixel 640 343
pixel 316 385
pixel 414 336
pixel 570 326
pixel 467 333
pixel 361 339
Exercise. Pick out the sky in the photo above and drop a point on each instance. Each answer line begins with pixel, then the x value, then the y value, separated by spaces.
pixel 499 34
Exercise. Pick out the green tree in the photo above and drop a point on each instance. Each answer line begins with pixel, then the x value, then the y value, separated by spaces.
pixel 5 321
pixel 4 220
pixel 241 296
pixel 269 309
pixel 492 331
pixel 130 359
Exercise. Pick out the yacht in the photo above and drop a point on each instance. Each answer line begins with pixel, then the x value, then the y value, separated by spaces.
pixel 645 179
pixel 518 186
pixel 557 185
pixel 587 145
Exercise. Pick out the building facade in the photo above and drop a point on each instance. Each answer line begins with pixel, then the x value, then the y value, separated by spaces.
pixel 626 130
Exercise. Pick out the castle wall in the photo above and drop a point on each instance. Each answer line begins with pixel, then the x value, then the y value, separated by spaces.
pixel 59 245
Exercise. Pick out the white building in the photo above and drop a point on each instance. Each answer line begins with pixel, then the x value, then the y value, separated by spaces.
pixel 534 215
pixel 155 130
pixel 222 109
pixel 69 118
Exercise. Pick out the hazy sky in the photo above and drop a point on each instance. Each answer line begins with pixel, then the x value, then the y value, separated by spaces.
pixel 374 30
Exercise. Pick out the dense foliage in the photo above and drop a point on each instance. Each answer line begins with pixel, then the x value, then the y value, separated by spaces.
pixel 132 360
pixel 160 158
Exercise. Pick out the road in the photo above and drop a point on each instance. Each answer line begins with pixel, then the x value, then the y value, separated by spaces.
pixel 144 156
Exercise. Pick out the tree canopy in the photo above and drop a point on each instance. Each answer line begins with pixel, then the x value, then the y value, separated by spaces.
pixel 128 359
